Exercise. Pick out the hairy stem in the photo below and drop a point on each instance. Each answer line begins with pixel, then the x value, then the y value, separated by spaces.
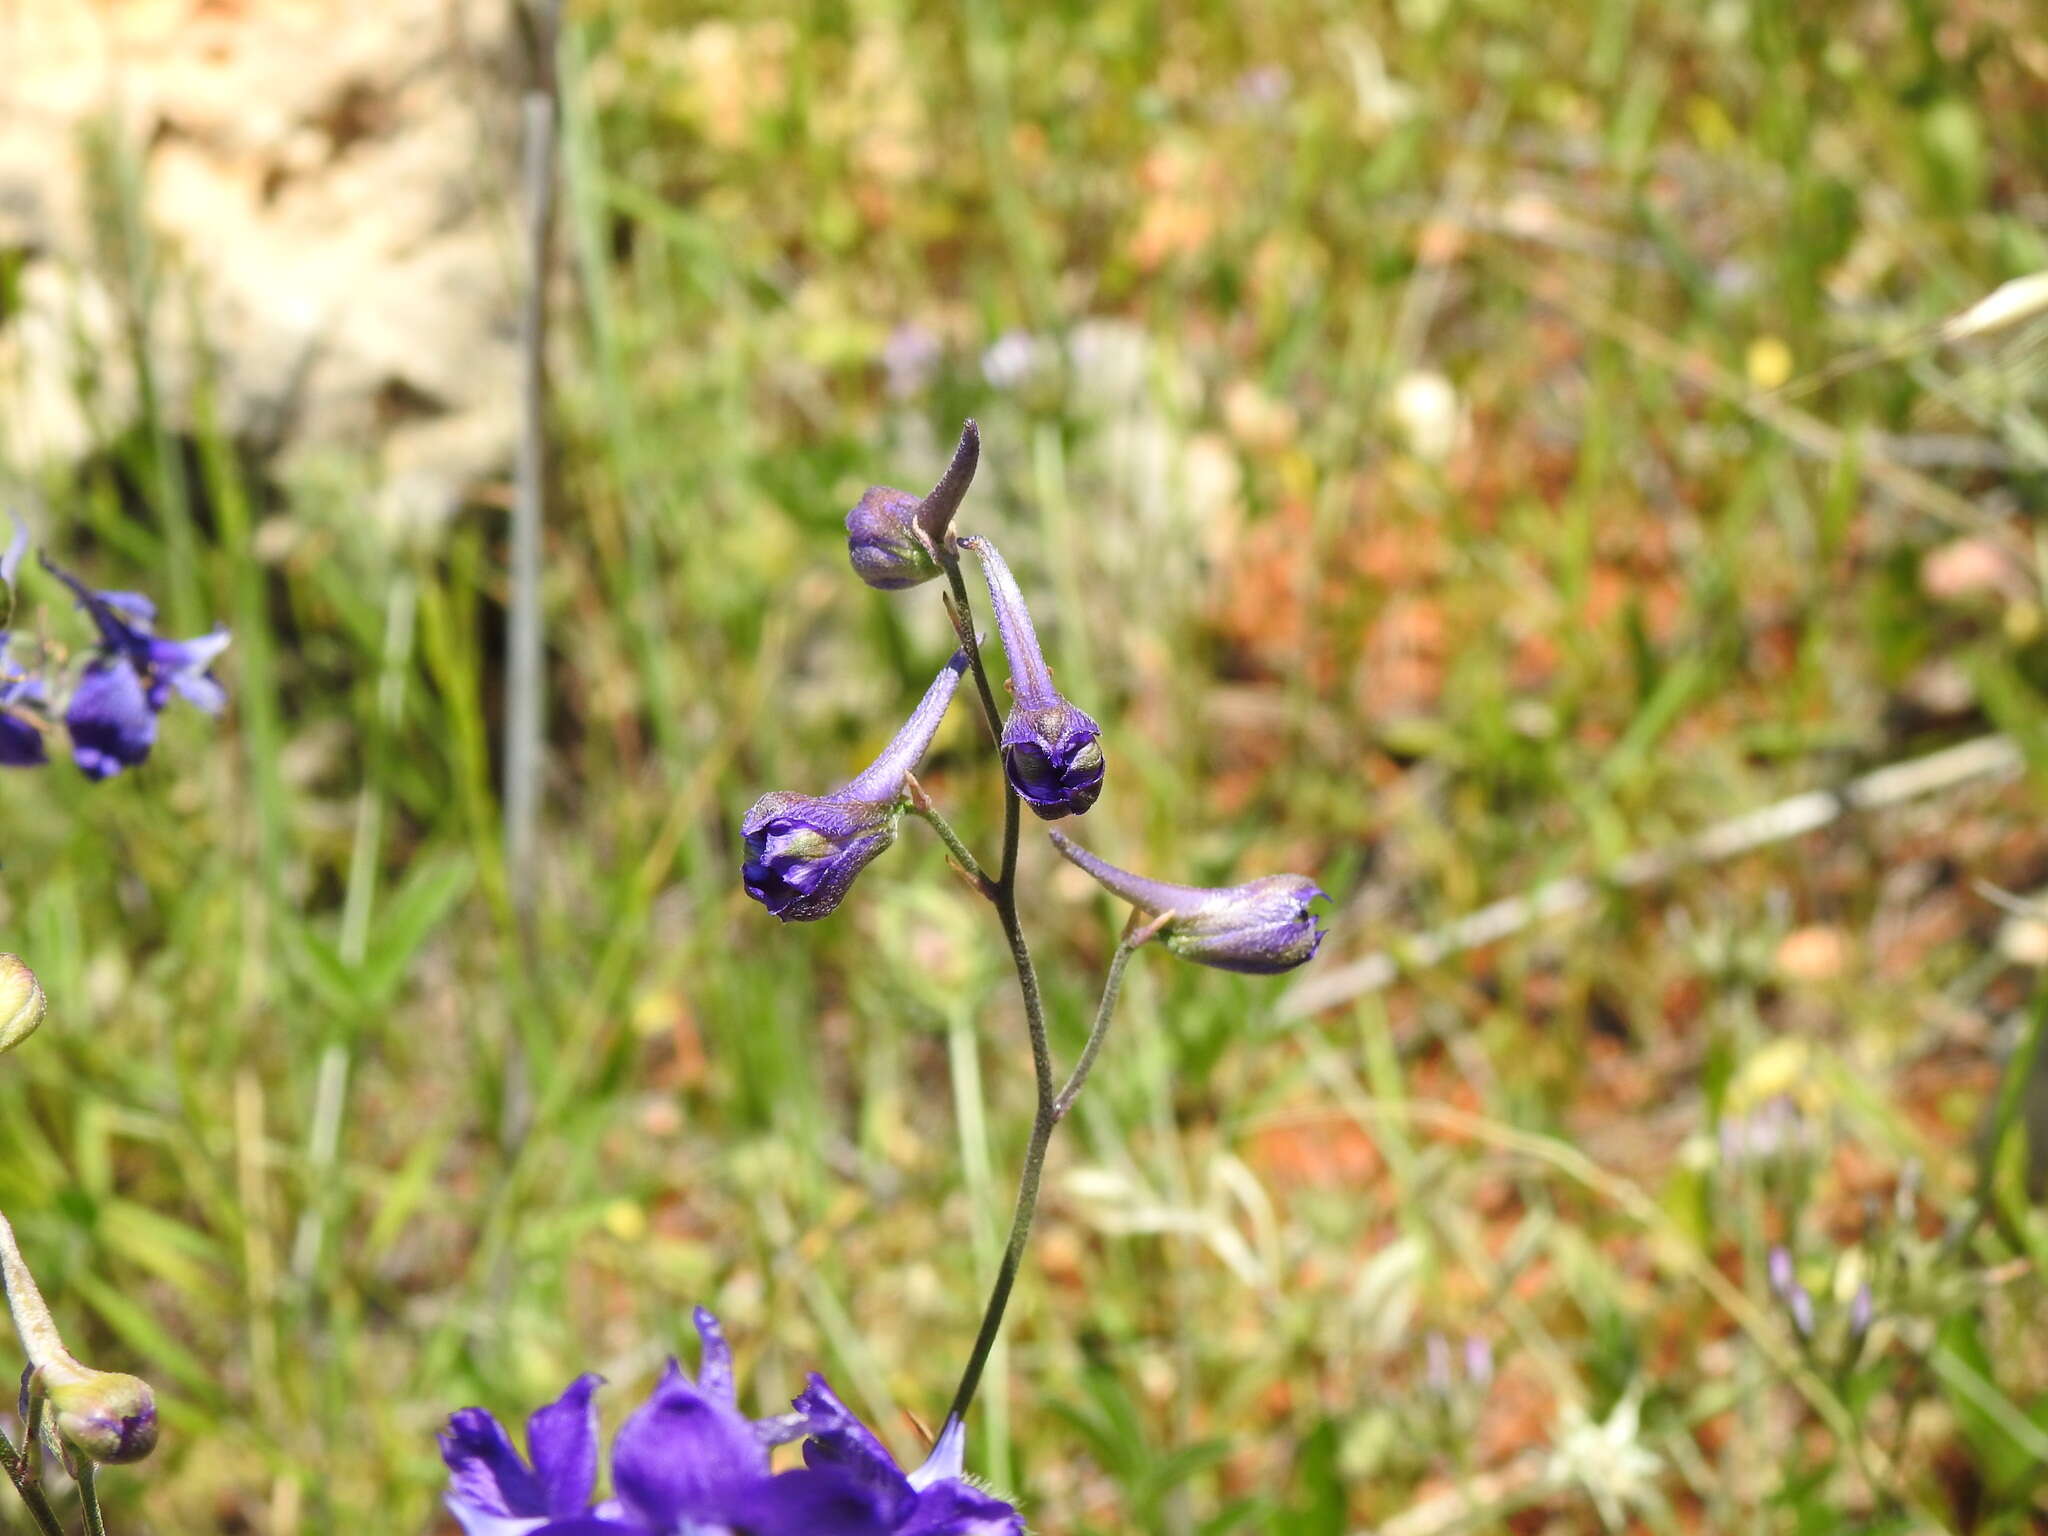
pixel 30 1488
pixel 39 1337
pixel 921 806
pixel 1136 936
pixel 89 1495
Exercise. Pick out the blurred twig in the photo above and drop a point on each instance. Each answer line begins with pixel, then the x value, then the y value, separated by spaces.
pixel 1984 757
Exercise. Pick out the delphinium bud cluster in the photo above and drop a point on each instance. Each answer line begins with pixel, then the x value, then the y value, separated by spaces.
pixel 105 701
pixel 689 1460
pixel 81 1417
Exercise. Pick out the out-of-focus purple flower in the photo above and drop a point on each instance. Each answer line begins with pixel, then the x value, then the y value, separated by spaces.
pixel 131 679
pixel 1015 358
pixel 22 694
pixel 1792 1296
pixel 1862 1312
pixel 1262 927
pixel 893 537
pixel 1478 1361
pixel 688 1463
pixel 23 699
pixel 803 851
pixel 1052 752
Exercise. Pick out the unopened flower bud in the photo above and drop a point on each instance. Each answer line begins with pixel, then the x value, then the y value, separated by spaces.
pixel 106 1416
pixel 1262 927
pixel 21 1002
pixel 1862 1311
pixel 893 537
pixel 803 851
pixel 883 542
pixel 1052 752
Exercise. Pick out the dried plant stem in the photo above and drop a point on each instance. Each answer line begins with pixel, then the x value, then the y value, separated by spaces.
pixel 1985 757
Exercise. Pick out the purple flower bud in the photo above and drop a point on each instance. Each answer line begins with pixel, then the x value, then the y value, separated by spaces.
pixel 1262 927
pixel 1862 1312
pixel 803 851
pixel 892 536
pixel 882 540
pixel 1800 1305
pixel 1779 1270
pixel 1052 752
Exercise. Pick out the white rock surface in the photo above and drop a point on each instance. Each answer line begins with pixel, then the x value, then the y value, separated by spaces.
pixel 327 190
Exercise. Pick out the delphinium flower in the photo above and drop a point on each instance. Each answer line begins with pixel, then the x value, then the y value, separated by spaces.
pixel 130 679
pixel 803 851
pixel 1262 927
pixel 1052 752
pixel 893 538
pixel 689 1463
pixel 23 694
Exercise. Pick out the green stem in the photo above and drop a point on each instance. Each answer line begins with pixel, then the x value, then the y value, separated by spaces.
pixel 1134 938
pixel 89 1494
pixel 29 1487
pixel 922 807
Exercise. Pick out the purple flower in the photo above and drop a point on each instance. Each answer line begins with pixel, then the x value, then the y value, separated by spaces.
pixel 1262 927
pixel 803 851
pixel 131 678
pixel 1052 752
pixel 22 699
pixel 893 537
pixel 688 1463
pixel 22 695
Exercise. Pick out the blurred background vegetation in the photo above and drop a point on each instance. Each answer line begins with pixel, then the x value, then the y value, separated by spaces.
pixel 1449 446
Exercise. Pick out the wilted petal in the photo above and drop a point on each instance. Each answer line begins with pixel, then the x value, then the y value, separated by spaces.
pixel 680 1455
pixel 111 724
pixel 562 1440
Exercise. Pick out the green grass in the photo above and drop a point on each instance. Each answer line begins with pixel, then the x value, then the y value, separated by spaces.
pixel 314 1143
